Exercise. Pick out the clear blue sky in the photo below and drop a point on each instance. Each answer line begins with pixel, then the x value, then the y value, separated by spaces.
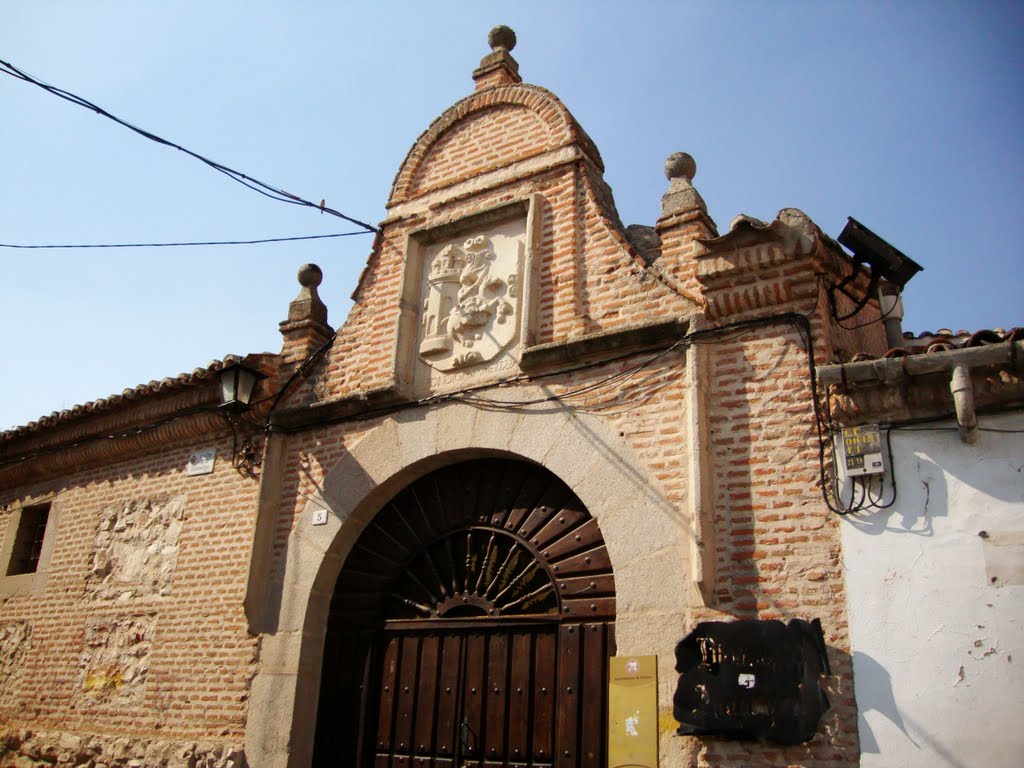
pixel 907 116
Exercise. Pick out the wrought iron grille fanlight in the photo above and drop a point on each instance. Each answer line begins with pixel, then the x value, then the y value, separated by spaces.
pixel 475 572
pixel 487 538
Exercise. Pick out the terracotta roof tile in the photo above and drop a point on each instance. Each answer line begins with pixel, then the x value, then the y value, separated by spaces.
pixel 169 384
pixel 945 340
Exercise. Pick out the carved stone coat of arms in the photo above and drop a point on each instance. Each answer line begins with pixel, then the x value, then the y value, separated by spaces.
pixel 471 302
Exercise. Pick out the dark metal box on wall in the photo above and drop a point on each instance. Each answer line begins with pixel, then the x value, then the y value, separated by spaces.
pixel 752 680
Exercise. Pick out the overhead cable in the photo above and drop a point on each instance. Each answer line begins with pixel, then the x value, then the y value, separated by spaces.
pixel 184 245
pixel 268 190
pixel 719 334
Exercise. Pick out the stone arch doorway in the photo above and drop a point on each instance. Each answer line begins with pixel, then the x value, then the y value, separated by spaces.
pixel 471 626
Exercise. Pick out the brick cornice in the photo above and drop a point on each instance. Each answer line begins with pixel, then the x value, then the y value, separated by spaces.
pixel 758 267
pixel 104 439
pixel 594 346
pixel 686 219
pixel 138 421
pixel 751 246
pixel 757 279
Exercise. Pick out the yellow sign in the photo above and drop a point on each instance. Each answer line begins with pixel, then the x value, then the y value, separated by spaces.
pixel 633 712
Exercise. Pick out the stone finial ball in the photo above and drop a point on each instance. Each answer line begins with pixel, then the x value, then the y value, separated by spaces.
pixel 680 165
pixel 310 275
pixel 501 37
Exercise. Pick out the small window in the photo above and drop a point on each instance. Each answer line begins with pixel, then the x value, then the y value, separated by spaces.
pixel 28 541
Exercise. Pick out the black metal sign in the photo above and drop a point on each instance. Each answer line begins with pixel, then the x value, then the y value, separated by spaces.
pixel 752 680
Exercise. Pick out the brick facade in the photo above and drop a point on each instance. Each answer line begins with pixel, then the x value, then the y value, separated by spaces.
pixel 696 450
pixel 128 647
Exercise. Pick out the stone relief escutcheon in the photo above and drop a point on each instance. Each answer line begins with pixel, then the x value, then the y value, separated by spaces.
pixel 470 309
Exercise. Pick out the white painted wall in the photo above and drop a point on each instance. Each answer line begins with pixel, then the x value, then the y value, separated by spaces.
pixel 938 648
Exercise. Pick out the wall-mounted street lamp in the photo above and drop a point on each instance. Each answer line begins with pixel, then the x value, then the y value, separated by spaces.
pixel 237 384
pixel 884 260
pixel 885 263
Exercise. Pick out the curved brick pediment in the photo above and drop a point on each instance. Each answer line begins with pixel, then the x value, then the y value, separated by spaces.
pixel 487 130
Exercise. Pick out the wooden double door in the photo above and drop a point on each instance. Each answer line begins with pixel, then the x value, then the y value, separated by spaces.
pixel 471 628
pixel 490 697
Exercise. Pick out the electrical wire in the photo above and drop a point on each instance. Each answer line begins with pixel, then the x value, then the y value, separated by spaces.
pixel 720 334
pixel 728 332
pixel 800 322
pixel 855 502
pixel 879 319
pixel 875 501
pixel 281 391
pixel 190 244
pixel 587 389
pixel 830 288
pixel 892 475
pixel 695 337
pixel 299 371
pixel 868 497
pixel 267 190
pixel 822 415
pixel 860 492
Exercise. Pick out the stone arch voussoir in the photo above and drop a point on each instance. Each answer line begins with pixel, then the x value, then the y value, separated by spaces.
pixel 642 531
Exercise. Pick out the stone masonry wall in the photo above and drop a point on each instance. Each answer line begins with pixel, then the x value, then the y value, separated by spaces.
pixel 136 649
pixel 113 666
pixel 28 749
pixel 15 641
pixel 136 549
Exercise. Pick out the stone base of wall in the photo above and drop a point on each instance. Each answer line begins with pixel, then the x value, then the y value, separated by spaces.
pixel 26 749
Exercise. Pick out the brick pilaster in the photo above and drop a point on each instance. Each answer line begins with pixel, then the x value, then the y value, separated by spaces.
pixel 684 221
pixel 306 327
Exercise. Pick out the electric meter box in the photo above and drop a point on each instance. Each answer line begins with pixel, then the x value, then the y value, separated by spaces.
pixel 862 451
